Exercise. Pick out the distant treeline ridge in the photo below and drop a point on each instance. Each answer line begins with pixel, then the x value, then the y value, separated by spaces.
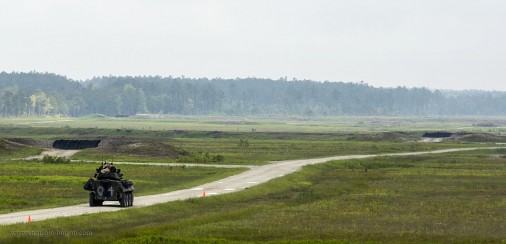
pixel 34 94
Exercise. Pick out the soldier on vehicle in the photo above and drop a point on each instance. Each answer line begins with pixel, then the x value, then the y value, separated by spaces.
pixel 99 169
pixel 107 168
pixel 112 168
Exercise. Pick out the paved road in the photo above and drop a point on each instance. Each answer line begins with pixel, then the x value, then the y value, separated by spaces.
pixel 256 175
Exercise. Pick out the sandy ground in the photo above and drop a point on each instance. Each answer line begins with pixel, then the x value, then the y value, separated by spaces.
pixel 242 181
pixel 428 140
pixel 54 152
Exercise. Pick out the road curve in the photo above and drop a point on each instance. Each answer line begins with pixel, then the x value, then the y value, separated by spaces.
pixel 254 176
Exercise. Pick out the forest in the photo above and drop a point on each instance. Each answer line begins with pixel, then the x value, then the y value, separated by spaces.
pixel 43 94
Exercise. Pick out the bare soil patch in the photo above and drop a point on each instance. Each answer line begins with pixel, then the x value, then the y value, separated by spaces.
pixel 55 152
pixel 431 140
pixel 138 147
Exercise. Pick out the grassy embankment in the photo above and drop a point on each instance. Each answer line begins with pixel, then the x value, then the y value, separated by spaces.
pixel 9 150
pixel 455 197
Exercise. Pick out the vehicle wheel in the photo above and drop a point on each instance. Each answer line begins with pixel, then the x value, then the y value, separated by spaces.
pixel 92 199
pixel 127 199
pixel 123 201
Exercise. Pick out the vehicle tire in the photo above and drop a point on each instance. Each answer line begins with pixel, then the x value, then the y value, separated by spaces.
pixel 123 201
pixel 92 199
pixel 130 199
pixel 127 199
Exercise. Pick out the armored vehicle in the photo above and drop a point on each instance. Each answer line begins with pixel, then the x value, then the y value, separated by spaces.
pixel 110 186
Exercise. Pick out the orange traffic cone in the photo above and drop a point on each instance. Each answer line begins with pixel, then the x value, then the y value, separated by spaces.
pixel 29 219
pixel 204 194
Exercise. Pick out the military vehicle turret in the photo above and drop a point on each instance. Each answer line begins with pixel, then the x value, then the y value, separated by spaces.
pixel 109 185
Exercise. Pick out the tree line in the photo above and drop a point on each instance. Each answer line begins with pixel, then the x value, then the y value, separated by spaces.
pixel 38 94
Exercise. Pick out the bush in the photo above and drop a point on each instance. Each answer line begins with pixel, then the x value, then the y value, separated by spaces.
pixel 55 160
pixel 243 143
pixel 201 157
pixel 218 158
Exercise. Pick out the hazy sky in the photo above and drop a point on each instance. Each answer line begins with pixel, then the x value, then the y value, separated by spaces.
pixel 455 44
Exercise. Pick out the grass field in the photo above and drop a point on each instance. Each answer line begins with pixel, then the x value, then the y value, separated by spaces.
pixel 253 148
pixel 33 184
pixel 269 124
pixel 281 149
pixel 261 151
pixel 434 198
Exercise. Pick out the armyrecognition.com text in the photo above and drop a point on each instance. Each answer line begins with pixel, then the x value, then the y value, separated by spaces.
pixel 51 233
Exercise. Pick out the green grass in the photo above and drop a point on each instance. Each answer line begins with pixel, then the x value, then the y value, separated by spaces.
pixel 455 197
pixel 95 155
pixel 33 184
pixel 10 150
pixel 434 198
pixel 259 152
pixel 267 124
pixel 268 139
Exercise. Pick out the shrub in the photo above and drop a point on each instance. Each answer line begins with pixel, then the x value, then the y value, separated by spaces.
pixel 55 160
pixel 201 157
pixel 243 143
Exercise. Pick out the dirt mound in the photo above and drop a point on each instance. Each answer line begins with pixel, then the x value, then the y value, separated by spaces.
pixel 139 147
pixel 32 142
pixel 485 125
pixel 439 134
pixel 382 136
pixel 478 137
pixel 119 145
pixel 8 146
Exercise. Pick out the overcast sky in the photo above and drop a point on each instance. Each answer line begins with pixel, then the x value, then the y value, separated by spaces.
pixel 451 44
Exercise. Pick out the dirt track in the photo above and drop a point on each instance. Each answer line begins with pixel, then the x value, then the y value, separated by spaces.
pixel 254 176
